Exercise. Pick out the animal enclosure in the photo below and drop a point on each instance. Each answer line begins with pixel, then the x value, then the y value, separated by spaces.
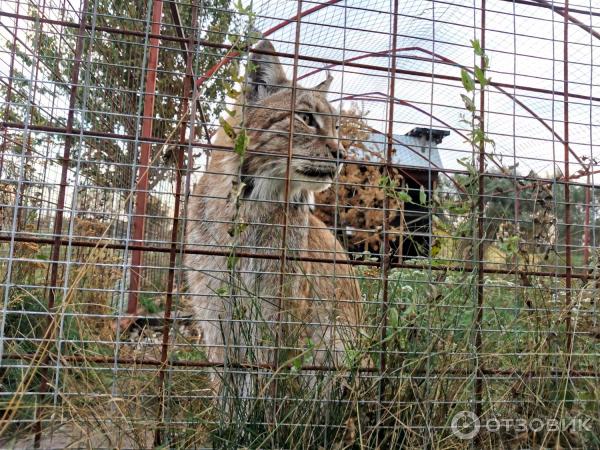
pixel 299 224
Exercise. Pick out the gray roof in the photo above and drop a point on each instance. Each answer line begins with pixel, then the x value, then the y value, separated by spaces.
pixel 409 151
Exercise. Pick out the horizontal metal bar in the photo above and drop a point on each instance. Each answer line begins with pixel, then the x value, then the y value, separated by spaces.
pixel 132 245
pixel 207 43
pixel 571 373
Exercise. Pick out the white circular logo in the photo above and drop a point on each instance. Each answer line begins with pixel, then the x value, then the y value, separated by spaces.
pixel 465 425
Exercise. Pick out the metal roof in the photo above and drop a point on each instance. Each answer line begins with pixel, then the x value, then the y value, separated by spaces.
pixel 409 151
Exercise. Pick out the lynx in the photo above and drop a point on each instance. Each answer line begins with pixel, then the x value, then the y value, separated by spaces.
pixel 242 301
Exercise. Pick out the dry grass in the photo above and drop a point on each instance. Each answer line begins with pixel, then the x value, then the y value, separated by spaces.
pixel 430 364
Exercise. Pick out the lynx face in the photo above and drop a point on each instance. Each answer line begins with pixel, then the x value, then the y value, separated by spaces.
pixel 316 151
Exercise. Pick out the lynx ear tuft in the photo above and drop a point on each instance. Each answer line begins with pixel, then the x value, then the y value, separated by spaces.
pixel 265 73
pixel 324 86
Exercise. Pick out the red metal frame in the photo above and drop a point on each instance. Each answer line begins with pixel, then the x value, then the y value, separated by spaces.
pixel 141 188
pixel 481 234
pixel 183 250
pixel 180 156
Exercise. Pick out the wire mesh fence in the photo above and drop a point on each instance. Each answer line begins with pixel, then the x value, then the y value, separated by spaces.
pixel 303 224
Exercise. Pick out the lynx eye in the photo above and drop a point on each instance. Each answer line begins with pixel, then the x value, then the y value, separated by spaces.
pixel 307 118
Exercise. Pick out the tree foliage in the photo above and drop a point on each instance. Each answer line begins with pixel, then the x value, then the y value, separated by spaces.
pixel 111 81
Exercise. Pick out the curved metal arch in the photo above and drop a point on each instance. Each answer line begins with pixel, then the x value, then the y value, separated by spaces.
pixel 541 3
pixel 446 60
pixel 558 10
pixel 232 54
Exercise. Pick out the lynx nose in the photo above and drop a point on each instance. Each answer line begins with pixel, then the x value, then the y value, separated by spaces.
pixel 336 149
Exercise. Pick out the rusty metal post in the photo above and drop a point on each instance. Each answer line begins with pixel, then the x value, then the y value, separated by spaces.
pixel 141 196
pixel 185 104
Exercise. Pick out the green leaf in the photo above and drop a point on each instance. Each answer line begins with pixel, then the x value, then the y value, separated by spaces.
pixel 233 93
pixel 251 67
pixel 459 208
pixel 241 227
pixel 310 344
pixel 422 196
pixel 467 81
pixel 297 364
pixel 478 136
pixel 234 69
pixel 468 101
pixel 239 78
pixel 393 317
pixel 477 47
pixel 440 225
pixel 221 291
pixel 480 75
pixel 404 197
pixel 231 262
pixel 241 143
pixel 486 62
pixel 384 181
pixel 229 131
